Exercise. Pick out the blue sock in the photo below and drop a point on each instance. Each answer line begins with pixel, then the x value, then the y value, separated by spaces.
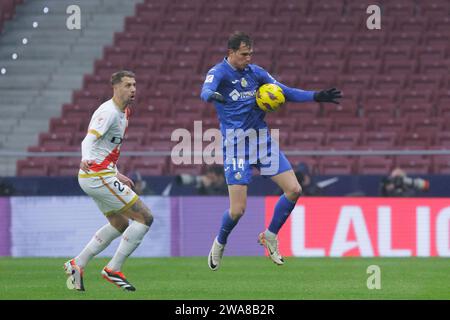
pixel 283 209
pixel 226 227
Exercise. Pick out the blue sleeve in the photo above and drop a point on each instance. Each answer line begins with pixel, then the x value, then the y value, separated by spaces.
pixel 291 94
pixel 212 81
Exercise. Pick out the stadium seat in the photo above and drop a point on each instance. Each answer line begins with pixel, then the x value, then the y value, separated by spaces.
pixel 411 23
pixel 306 140
pixel 62 125
pixel 426 82
pixel 380 110
pixel 436 39
pixel 297 112
pixel 342 140
pixel 379 140
pixel 357 125
pixel 149 166
pixel 327 8
pixel 390 125
pixel 440 24
pixel 399 67
pixel 408 109
pixel 291 8
pixel 55 139
pixel 300 38
pixel 363 67
pixel 375 165
pixel 364 52
pixel 334 111
pixel 127 40
pixel 315 125
pixel 413 166
pixel 423 125
pixel 441 165
pixel 416 139
pixel 434 9
pixel 342 24
pixel 309 25
pixel 383 82
pixel 29 167
pixel 274 25
pixel 336 166
pixel 352 82
pixel 442 139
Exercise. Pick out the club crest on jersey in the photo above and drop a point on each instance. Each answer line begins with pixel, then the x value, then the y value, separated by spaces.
pixel 238 176
pixel 244 83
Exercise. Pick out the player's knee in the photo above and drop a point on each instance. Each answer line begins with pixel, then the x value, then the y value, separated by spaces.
pixel 294 192
pixel 148 219
pixel 237 212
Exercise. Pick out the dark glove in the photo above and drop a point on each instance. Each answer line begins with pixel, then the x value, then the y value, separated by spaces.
pixel 218 97
pixel 328 95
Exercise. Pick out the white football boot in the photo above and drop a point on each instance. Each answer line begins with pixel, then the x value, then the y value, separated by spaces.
pixel 215 255
pixel 271 244
pixel 74 275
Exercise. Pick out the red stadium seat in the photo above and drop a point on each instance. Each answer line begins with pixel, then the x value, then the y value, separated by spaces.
pixel 427 82
pixel 365 52
pixel 33 167
pixel 309 25
pixel 424 125
pixel 364 38
pixel 413 166
pixel 375 165
pixel 442 139
pixel 352 82
pixel 334 111
pixel 306 140
pixel 274 25
pixel 55 139
pixel 423 140
pixel 300 39
pixel 388 81
pixel 441 165
pixel 336 166
pixel 440 24
pixel 400 67
pixel 341 24
pixel 434 9
pixel 327 8
pixel 61 125
pixel 381 110
pixel 291 8
pixel 408 109
pixel 338 140
pixel 315 125
pixel 127 40
pixel 357 125
pixel 411 23
pixel 379 140
pixel 363 67
pixel 390 125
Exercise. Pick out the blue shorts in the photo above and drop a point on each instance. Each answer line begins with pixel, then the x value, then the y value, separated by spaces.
pixel 264 156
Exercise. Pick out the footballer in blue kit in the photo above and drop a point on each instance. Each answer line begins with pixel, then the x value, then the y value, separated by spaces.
pixel 231 85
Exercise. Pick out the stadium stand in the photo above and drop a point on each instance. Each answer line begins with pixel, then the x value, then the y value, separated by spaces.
pixel 394 80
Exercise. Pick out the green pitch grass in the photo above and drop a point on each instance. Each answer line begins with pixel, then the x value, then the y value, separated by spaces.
pixel 250 278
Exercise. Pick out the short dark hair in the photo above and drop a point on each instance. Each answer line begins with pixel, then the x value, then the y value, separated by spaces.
pixel 238 37
pixel 117 76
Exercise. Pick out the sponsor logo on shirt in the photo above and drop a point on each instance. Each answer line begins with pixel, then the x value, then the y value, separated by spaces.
pixel 209 78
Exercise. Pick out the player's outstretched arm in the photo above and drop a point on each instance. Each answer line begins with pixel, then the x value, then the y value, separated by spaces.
pixel 329 95
pixel 209 90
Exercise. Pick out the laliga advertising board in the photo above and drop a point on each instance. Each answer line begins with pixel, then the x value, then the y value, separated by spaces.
pixel 366 227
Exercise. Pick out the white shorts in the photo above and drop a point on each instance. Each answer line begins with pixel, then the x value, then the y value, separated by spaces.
pixel 111 195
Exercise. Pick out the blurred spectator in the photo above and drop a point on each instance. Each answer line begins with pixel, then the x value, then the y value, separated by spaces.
pixel 6 189
pixel 140 185
pixel 211 183
pixel 398 184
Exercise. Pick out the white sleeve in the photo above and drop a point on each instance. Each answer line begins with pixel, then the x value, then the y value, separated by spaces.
pixel 86 146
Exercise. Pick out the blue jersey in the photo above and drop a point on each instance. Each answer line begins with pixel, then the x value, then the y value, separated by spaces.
pixel 239 87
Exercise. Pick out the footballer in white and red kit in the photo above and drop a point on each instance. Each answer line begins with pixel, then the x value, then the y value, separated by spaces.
pixel 111 190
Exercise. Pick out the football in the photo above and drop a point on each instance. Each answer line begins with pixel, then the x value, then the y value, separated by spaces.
pixel 270 97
